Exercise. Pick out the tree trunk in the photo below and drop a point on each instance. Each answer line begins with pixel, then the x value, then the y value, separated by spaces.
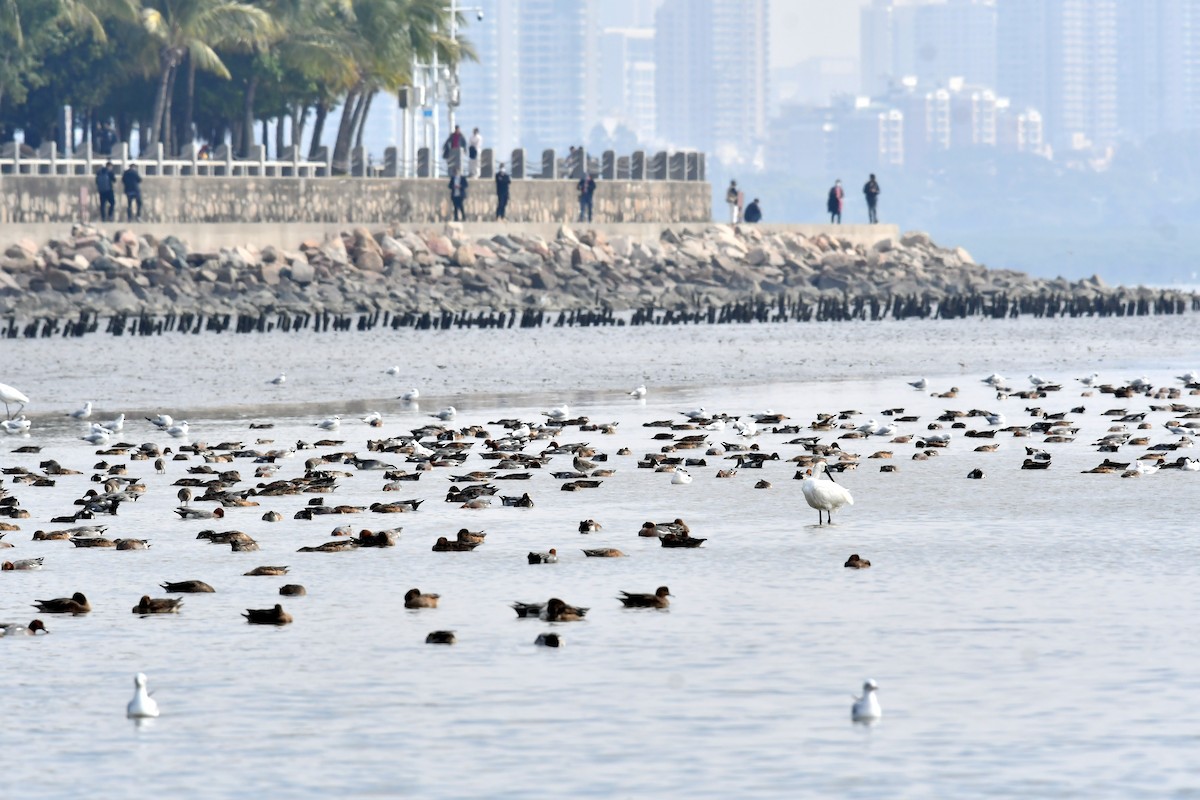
pixel 266 138
pixel 160 98
pixel 168 128
pixel 341 148
pixel 189 132
pixel 248 116
pixel 362 120
pixel 318 129
pixel 279 128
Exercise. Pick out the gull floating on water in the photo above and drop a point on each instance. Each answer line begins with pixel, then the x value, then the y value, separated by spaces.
pixel 445 414
pixel 681 477
pixel 392 370
pixel 1191 376
pixel 1090 380
pixel 639 392
pixel 162 421
pixel 374 418
pixel 17 426
pixel 279 379
pixel 179 430
pixel 695 413
pixel 10 395
pixel 330 423
pixel 920 384
pixel 411 396
pixel 866 708
pixel 995 379
pixel 97 436
pixel 82 413
pixel 142 705
pixel 1038 381
pixel 558 412
pixel 114 425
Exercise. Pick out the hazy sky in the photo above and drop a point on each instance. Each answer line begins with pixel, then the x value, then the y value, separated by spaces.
pixel 803 29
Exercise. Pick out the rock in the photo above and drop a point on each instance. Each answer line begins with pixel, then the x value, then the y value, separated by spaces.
pixel 440 246
pixel 369 260
pixel 269 272
pixel 464 256
pixel 301 272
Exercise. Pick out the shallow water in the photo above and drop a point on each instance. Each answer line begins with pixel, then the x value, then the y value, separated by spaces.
pixel 1029 631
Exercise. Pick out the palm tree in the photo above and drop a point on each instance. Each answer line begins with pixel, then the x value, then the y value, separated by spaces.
pixel 195 28
pixel 387 35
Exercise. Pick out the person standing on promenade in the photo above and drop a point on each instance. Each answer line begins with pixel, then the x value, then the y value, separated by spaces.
pixel 586 188
pixel 132 181
pixel 834 204
pixel 106 181
pixel 871 190
pixel 734 198
pixel 753 212
pixel 474 152
pixel 458 193
pixel 456 142
pixel 502 182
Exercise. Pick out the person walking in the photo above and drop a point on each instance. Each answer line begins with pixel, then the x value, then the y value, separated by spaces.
pixel 834 204
pixel 458 194
pixel 106 181
pixel 734 198
pixel 871 191
pixel 753 212
pixel 132 181
pixel 475 151
pixel 586 188
pixel 502 182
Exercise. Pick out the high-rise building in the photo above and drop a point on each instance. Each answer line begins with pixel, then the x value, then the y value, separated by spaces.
pixel 552 60
pixel 1061 56
pixel 933 41
pixel 1159 79
pixel 488 87
pixel 627 86
pixel 712 76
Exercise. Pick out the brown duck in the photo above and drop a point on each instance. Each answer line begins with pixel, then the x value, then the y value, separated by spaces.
pixel 639 600
pixel 157 605
pixel 413 598
pixel 187 586
pixel 75 604
pixel 267 616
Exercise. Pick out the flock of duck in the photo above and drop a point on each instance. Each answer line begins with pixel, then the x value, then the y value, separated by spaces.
pixel 516 450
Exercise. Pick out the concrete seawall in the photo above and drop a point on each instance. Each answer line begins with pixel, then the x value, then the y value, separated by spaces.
pixel 176 200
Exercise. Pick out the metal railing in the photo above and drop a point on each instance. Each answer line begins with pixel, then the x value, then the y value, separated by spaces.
pixel 19 159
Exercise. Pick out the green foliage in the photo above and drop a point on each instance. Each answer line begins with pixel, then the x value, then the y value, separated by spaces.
pixel 131 60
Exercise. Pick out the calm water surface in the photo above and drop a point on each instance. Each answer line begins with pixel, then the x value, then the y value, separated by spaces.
pixel 1029 632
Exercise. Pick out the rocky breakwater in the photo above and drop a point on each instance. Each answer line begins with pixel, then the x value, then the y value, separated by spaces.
pixel 448 269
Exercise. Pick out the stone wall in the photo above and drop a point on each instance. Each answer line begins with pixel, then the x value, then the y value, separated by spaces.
pixel 191 199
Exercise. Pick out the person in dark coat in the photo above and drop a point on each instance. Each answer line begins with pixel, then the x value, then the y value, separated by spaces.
pixel 502 182
pixel 753 212
pixel 458 194
pixel 586 188
pixel 106 181
pixel 871 191
pixel 132 182
pixel 834 204
pixel 456 141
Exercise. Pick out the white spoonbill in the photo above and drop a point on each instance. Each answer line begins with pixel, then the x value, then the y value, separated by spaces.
pixel 825 496
pixel 10 395
pixel 867 708
pixel 142 705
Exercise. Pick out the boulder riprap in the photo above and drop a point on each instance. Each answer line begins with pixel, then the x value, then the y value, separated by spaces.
pixel 447 269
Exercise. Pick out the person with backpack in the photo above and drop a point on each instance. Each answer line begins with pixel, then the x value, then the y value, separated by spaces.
pixel 586 188
pixel 106 181
pixel 132 182
pixel 871 191
pixel 753 212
